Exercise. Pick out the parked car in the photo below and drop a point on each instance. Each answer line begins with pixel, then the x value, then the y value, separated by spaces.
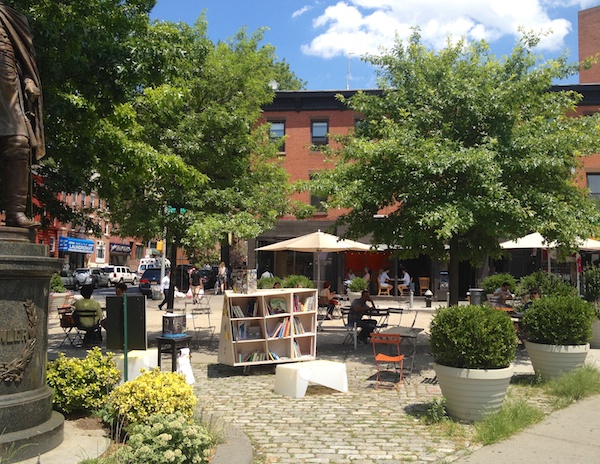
pixel 149 278
pixel 182 277
pixel 83 276
pixel 69 280
pixel 117 274
pixel 100 277
pixel 209 278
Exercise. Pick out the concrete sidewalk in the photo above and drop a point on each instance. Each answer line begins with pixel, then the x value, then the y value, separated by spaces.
pixel 333 427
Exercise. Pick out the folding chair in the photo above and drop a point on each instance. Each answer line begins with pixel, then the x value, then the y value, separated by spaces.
pixel 395 360
pixel 202 306
pixel 92 335
pixel 68 324
pixel 351 330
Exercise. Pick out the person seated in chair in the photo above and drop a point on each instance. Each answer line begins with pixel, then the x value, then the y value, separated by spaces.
pixel 384 279
pixel 358 308
pixel 502 294
pixel 328 298
pixel 86 322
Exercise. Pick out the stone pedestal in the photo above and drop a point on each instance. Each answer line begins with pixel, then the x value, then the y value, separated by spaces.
pixel 29 426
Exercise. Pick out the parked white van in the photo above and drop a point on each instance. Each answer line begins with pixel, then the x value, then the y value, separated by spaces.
pixel 151 263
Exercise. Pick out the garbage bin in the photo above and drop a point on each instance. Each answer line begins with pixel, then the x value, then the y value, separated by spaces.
pixel 476 295
pixel 157 293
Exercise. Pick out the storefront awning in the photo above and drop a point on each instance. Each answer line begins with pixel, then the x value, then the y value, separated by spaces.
pixel 75 245
pixel 119 248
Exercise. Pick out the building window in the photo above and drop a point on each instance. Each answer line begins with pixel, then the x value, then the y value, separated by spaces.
pixel 318 132
pixel 100 251
pixel 52 244
pixel 92 200
pixel 139 251
pixel 83 200
pixel 276 132
pixel 74 199
pixel 317 201
pixel 593 183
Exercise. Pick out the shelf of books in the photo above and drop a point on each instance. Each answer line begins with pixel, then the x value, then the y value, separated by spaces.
pixel 268 326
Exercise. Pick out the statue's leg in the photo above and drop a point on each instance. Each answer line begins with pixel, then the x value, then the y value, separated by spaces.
pixel 15 180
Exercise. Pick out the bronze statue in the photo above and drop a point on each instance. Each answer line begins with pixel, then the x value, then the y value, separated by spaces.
pixel 21 125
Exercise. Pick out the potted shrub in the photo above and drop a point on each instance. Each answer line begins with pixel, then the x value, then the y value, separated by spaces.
pixel 590 288
pixel 473 347
pixel 58 293
pixel 355 288
pixel 558 331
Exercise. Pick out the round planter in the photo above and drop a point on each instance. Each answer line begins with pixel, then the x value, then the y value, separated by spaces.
pixel 472 393
pixel 353 296
pixel 595 341
pixel 553 360
pixel 56 301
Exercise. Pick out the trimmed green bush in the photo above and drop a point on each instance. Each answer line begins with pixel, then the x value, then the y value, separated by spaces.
pixel 590 283
pixel 153 392
pixel 358 284
pixel 295 281
pixel 82 384
pixel 56 284
pixel 171 438
pixel 549 284
pixel 559 320
pixel 268 282
pixel 492 283
pixel 472 337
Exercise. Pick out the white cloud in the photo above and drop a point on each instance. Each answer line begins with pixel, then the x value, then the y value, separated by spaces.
pixel 364 26
pixel 301 11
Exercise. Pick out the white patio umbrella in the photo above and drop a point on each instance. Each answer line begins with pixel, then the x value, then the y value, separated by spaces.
pixel 535 240
pixel 316 242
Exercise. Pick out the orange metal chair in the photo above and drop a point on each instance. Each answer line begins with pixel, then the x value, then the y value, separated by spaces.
pixel 381 341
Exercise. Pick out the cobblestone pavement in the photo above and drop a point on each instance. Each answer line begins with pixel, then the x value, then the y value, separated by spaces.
pixel 363 425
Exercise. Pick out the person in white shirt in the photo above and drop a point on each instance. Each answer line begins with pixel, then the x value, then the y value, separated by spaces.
pixel 404 282
pixel 165 283
pixel 384 278
pixel 266 274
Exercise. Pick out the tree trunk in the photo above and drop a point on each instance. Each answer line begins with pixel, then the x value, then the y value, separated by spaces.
pixel 453 272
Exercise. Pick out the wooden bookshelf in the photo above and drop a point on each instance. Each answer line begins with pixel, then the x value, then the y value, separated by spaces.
pixel 268 326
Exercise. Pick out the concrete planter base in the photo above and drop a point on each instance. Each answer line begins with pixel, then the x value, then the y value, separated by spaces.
pixel 553 360
pixel 472 393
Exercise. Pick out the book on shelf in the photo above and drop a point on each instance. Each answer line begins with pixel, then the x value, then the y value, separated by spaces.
pixel 251 308
pixel 237 311
pixel 278 305
pixel 310 304
pixel 297 352
pixel 275 331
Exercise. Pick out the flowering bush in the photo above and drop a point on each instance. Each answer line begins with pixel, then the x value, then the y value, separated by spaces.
pixel 82 384
pixel 170 438
pixel 153 392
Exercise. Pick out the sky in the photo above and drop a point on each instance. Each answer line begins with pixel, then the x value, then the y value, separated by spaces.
pixel 323 40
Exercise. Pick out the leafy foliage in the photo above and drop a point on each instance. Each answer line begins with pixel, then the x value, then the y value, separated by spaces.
pixel 56 284
pixel 295 281
pixel 495 281
pixel 153 392
pixel 460 149
pixel 268 282
pixel 549 284
pixel 590 283
pixel 358 284
pixel 168 438
pixel 164 116
pixel 559 320
pixel 82 384
pixel 472 337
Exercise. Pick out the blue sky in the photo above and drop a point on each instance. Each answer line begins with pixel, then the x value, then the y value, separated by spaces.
pixel 323 40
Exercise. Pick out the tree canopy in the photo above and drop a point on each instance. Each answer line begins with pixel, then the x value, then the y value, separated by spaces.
pixel 461 149
pixel 155 117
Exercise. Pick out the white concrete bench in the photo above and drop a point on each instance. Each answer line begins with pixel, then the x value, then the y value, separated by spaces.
pixel 292 379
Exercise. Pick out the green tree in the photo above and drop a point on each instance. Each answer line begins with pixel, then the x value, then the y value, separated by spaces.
pixel 155 115
pixel 463 148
